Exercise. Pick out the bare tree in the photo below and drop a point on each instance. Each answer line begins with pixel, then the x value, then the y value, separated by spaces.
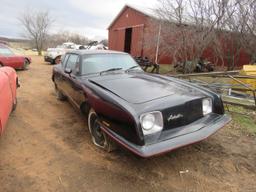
pixel 232 32
pixel 66 36
pixel 36 26
pixel 189 28
pixel 248 17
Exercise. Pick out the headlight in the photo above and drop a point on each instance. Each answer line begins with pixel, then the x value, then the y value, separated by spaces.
pixel 207 106
pixel 151 122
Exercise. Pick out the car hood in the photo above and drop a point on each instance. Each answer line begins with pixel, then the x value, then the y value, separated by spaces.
pixel 141 87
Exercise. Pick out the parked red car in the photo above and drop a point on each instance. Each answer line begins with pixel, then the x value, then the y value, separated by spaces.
pixel 8 85
pixel 8 58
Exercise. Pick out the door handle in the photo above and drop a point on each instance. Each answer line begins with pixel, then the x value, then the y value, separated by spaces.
pixel 73 76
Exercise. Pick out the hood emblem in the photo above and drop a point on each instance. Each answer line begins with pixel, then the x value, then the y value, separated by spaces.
pixel 174 117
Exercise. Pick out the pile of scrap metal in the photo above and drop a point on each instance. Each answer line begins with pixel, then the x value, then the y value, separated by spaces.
pixel 145 64
pixel 235 87
pixel 197 66
pixel 95 45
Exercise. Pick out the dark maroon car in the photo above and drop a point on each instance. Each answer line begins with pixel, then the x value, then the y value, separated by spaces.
pixel 147 114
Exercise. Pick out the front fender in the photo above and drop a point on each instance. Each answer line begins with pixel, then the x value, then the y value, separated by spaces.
pixel 114 112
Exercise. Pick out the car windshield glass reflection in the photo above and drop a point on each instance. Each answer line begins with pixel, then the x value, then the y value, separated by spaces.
pixel 104 62
pixel 5 52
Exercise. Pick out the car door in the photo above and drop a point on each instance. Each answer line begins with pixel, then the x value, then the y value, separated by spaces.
pixel 5 61
pixel 76 91
pixel 16 61
pixel 69 77
pixel 6 57
pixel 59 76
pixel 6 100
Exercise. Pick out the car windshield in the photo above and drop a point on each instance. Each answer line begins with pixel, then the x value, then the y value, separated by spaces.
pixel 96 63
pixel 5 51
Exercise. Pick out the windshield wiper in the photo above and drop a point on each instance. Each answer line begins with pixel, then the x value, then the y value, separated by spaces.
pixel 129 69
pixel 112 69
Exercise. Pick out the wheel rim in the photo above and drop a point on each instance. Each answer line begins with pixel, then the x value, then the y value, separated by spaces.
pixel 25 65
pixel 98 137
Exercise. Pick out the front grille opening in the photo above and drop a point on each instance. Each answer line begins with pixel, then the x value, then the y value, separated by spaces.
pixel 181 115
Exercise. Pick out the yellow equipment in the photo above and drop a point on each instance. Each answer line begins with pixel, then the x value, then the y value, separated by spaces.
pixel 248 70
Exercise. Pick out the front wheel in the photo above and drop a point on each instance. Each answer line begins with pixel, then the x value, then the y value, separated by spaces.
pixel 57 60
pixel 99 138
pixel 25 64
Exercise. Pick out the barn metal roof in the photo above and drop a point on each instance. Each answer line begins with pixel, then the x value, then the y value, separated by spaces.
pixel 149 12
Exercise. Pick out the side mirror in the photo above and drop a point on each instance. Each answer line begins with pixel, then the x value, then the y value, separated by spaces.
pixel 68 70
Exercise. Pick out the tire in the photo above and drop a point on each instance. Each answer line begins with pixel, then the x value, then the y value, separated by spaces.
pixel 56 60
pixel 25 64
pixel 60 96
pixel 52 61
pixel 99 138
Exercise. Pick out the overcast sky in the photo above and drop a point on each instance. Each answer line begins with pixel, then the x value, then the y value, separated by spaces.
pixel 87 17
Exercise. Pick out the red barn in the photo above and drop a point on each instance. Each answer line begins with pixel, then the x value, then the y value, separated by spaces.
pixel 127 33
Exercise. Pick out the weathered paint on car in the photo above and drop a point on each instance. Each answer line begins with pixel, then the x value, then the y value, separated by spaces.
pixel 8 85
pixel 8 58
pixel 120 98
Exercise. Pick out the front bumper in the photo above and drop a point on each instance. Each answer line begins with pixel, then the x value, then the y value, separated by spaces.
pixel 173 143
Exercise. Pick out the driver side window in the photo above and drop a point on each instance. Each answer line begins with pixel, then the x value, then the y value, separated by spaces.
pixel 72 63
pixel 64 60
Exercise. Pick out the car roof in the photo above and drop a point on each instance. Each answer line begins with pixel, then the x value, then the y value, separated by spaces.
pixel 90 52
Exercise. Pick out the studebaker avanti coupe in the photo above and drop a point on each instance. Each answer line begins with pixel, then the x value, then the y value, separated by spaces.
pixel 8 85
pixel 148 114
pixel 9 58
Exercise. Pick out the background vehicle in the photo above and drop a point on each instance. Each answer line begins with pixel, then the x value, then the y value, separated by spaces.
pixel 8 85
pixel 8 58
pixel 146 113
pixel 53 55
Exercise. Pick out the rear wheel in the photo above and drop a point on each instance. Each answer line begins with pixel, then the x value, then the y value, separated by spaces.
pixel 99 138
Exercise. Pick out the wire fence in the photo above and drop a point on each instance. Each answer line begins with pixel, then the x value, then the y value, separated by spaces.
pixel 235 89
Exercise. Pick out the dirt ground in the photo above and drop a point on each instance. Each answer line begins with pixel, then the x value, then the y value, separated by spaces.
pixel 46 147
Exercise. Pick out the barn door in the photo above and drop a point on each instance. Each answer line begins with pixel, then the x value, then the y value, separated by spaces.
pixel 128 40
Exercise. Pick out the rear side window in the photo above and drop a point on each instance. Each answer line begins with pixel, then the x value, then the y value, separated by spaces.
pixel 72 63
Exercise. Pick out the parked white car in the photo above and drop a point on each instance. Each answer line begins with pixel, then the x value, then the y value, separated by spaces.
pixel 53 55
